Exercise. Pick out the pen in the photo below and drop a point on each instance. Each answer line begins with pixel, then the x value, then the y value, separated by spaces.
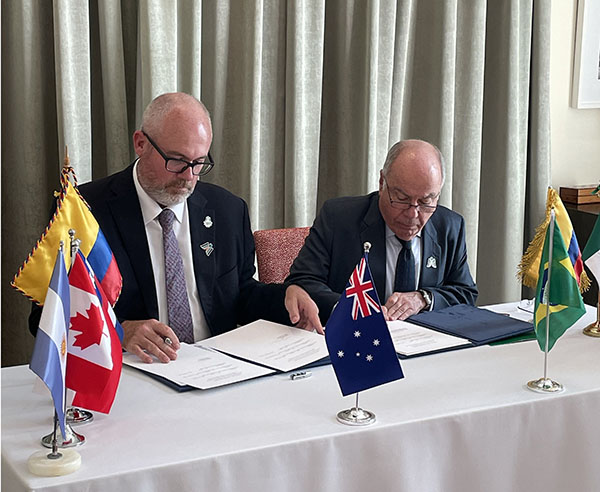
pixel 300 375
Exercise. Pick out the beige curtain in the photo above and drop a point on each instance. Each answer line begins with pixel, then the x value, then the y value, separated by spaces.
pixel 306 98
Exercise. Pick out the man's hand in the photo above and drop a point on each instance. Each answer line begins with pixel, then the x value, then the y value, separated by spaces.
pixel 144 337
pixel 401 305
pixel 303 311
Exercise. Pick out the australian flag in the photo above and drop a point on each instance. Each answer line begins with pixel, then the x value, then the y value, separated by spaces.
pixel 357 336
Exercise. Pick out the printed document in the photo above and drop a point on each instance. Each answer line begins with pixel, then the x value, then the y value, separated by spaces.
pixel 410 339
pixel 200 367
pixel 270 344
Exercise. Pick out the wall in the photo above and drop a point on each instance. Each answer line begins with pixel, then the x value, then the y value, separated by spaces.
pixel 575 132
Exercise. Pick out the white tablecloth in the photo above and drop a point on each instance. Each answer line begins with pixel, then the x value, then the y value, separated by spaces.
pixel 459 421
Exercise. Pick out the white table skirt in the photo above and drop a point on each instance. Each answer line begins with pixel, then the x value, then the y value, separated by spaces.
pixel 459 421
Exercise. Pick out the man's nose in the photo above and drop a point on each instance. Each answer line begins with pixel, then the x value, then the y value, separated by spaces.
pixel 188 175
pixel 411 211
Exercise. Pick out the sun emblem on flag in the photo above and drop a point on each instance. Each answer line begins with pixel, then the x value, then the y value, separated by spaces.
pixel 63 347
pixel 359 288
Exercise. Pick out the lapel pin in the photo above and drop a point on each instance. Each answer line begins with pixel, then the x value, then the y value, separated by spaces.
pixel 207 247
pixel 208 222
pixel 431 262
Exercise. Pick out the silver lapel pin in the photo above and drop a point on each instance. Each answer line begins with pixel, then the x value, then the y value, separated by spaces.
pixel 431 262
pixel 208 222
pixel 207 247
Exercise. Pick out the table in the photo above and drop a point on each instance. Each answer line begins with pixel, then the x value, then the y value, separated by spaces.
pixel 459 421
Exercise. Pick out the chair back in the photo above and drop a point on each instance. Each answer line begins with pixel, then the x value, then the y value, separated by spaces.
pixel 276 250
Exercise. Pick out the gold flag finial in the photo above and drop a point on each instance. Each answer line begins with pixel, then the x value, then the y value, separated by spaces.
pixel 67 161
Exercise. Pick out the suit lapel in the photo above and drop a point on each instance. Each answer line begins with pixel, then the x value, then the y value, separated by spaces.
pixel 431 260
pixel 127 214
pixel 202 231
pixel 373 231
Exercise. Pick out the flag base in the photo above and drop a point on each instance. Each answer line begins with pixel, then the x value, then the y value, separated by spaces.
pixel 356 416
pixel 46 464
pixel 72 439
pixel 592 330
pixel 545 385
pixel 78 416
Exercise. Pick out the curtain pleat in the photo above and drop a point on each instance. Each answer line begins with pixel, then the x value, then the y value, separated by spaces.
pixel 73 88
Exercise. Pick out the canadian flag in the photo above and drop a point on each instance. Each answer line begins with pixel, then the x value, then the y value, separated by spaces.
pixel 94 358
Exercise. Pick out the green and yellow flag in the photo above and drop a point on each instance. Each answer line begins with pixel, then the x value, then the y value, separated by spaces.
pixel 565 302
pixel 529 266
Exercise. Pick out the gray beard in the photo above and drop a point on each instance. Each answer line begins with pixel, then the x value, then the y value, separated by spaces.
pixel 163 197
pixel 160 194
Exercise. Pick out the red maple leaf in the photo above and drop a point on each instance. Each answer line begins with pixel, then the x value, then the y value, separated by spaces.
pixel 90 327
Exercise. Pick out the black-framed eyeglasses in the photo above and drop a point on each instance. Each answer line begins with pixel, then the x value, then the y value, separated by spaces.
pixel 199 167
pixel 405 204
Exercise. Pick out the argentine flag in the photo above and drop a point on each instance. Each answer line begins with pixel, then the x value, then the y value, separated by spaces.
pixel 49 357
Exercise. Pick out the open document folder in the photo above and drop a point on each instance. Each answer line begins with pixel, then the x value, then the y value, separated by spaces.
pixel 458 326
pixel 478 325
pixel 250 351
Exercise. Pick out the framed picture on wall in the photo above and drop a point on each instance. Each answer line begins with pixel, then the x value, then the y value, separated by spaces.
pixel 586 69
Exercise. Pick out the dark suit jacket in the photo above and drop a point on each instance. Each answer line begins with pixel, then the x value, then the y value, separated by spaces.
pixel 228 293
pixel 335 245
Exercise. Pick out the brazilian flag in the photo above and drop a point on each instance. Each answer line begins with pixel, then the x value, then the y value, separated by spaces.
pixel 560 289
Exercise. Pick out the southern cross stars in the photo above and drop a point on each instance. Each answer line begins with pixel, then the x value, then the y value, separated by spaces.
pixel 356 334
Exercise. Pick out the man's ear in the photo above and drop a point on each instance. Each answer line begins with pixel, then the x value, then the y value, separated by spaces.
pixel 139 142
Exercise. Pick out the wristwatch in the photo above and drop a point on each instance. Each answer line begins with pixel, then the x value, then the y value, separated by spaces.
pixel 427 297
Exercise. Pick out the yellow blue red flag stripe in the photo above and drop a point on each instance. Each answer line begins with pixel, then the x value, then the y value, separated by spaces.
pixel 72 212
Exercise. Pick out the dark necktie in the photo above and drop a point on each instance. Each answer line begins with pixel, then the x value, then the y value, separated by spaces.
pixel 178 305
pixel 405 269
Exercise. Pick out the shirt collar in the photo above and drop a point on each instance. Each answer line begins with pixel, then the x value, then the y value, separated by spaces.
pixel 150 208
pixel 389 233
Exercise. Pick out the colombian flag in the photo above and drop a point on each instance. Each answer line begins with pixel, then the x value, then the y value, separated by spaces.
pixel 557 287
pixel 530 263
pixel 72 212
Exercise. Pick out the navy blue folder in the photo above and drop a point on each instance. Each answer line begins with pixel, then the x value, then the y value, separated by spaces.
pixel 477 325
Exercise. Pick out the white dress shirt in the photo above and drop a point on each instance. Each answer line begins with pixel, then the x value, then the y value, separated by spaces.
pixel 181 227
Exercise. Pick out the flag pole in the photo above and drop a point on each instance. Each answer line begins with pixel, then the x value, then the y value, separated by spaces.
pixel 593 330
pixel 73 415
pixel 55 454
pixel 356 415
pixel 547 290
pixel 57 463
pixel 546 385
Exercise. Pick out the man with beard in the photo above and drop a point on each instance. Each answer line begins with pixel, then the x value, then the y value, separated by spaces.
pixel 184 248
pixel 418 255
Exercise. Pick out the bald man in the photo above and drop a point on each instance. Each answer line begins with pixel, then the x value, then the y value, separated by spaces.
pixel 418 255
pixel 211 243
